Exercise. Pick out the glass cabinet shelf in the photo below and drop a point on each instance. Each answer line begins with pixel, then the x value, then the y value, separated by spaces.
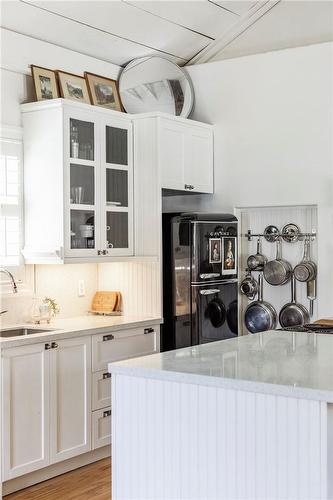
pixel 82 140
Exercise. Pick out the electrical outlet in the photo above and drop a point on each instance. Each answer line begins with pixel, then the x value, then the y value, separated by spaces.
pixel 81 289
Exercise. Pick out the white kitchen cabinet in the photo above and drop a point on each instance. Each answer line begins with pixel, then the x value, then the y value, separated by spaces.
pixel 70 376
pixel 25 410
pixel 101 390
pixel 78 183
pixel 186 155
pixel 46 405
pixel 123 344
pixel 101 428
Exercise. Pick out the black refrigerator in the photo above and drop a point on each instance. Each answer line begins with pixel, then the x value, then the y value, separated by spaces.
pixel 200 284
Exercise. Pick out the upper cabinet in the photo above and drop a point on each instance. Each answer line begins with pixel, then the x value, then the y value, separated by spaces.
pixel 78 183
pixel 186 155
pixel 89 171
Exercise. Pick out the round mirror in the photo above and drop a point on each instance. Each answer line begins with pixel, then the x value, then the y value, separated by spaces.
pixel 156 84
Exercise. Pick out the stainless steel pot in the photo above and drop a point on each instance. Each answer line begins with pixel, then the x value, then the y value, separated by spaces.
pixel 293 314
pixel 306 270
pixel 249 286
pixel 257 261
pixel 260 316
pixel 277 271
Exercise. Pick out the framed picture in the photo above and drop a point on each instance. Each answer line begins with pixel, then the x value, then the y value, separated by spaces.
pixel 215 256
pixel 45 82
pixel 229 261
pixel 73 87
pixel 103 91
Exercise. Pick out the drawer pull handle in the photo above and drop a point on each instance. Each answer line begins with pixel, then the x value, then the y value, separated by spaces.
pixel 108 337
pixel 54 345
pixel 107 413
pixel 148 330
pixel 106 375
pixel 47 347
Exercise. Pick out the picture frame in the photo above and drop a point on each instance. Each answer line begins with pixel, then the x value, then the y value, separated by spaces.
pixel 215 254
pixel 103 91
pixel 229 255
pixel 45 83
pixel 73 87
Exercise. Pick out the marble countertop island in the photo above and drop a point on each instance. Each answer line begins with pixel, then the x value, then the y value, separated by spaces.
pixel 247 418
pixel 273 362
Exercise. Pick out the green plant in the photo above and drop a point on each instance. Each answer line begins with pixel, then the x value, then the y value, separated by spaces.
pixel 52 305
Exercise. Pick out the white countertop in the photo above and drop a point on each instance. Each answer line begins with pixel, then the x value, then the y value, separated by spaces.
pixel 71 327
pixel 282 363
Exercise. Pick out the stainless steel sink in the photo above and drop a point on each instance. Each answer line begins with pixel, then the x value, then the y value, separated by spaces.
pixel 18 332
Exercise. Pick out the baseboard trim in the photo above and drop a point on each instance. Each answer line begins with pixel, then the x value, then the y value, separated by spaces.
pixel 19 483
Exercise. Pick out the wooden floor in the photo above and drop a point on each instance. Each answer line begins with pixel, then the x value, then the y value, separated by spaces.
pixel 92 482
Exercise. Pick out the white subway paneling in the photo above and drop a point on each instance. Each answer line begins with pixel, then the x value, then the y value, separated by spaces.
pixel 176 441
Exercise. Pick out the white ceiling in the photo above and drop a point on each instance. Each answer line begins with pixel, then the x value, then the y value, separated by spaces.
pixel 185 31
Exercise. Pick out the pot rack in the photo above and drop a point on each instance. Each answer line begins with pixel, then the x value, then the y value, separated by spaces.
pixel 249 235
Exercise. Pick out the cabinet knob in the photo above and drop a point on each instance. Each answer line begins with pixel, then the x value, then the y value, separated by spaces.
pixel 105 252
pixel 189 187
pixel 148 330
pixel 54 345
pixel 107 413
pixel 99 252
pixel 106 375
pixel 47 347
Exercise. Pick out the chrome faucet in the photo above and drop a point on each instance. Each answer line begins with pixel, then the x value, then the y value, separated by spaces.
pixel 11 277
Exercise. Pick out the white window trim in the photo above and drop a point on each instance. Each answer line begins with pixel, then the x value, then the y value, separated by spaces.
pixel 25 280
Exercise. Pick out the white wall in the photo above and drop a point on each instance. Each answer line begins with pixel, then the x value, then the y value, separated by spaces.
pixel 273 115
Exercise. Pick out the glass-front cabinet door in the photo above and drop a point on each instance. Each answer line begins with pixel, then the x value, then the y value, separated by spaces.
pixel 117 188
pixel 81 178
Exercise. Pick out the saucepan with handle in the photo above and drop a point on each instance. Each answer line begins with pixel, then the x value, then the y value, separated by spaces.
pixel 293 314
pixel 277 271
pixel 306 270
pixel 259 315
pixel 257 261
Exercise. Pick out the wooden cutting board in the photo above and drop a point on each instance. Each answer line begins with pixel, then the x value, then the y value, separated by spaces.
pixel 327 321
pixel 106 302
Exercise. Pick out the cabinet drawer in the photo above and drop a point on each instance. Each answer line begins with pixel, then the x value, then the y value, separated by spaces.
pixel 101 390
pixel 122 345
pixel 101 428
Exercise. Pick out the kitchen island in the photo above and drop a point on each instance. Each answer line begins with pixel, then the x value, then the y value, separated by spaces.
pixel 245 418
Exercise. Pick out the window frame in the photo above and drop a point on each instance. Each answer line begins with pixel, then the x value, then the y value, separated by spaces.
pixel 22 273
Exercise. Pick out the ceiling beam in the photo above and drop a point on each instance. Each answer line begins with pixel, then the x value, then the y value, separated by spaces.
pixel 252 15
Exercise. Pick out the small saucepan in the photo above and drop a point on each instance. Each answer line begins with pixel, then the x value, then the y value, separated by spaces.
pixel 306 270
pixel 249 286
pixel 259 315
pixel 257 261
pixel 277 271
pixel 293 314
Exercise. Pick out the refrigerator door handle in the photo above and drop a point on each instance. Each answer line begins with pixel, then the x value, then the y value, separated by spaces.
pixel 210 291
pixel 209 275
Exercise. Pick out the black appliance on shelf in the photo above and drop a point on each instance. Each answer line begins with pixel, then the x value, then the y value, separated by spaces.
pixel 199 279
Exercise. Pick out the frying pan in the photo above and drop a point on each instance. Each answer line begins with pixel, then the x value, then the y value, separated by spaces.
pixel 260 315
pixel 258 260
pixel 293 314
pixel 278 271
pixel 215 310
pixel 306 270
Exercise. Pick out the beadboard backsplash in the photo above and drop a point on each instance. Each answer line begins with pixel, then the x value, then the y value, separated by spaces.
pixel 256 220
pixel 138 282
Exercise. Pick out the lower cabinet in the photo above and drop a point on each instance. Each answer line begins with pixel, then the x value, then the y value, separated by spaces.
pixel 56 396
pixel 70 377
pixel 101 428
pixel 25 410
pixel 46 404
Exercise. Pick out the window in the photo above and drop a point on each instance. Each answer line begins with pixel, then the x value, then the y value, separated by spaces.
pixel 11 204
